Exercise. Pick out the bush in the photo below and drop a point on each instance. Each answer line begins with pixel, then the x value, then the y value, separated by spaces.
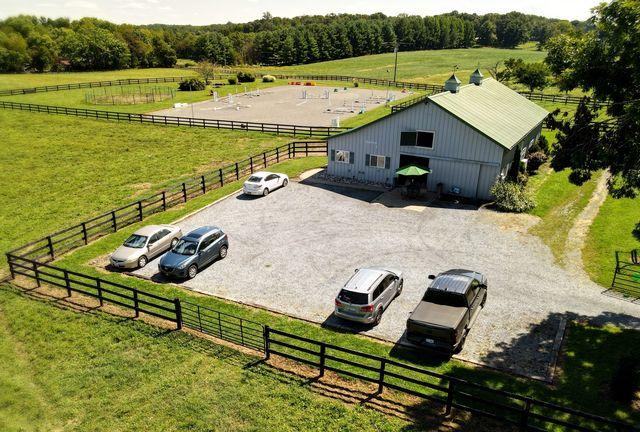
pixel 535 160
pixel 511 197
pixel 191 84
pixel 356 84
pixel 268 78
pixel 578 176
pixel 636 231
pixel 233 80
pixel 245 77
pixel 523 178
pixel 625 380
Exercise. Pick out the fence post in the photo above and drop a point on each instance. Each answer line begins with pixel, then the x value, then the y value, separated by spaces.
pixel 113 221
pixel 219 325
pixel 289 151
pixel 306 149
pixel 135 303
pixel 50 244
pixel 241 333
pixel 36 274
pixel 67 283
pixel 84 233
pixel 99 286
pixel 450 392
pixel 184 191
pixel 267 353
pixel 323 349
pixel 383 364
pixel 237 172
pixel 524 416
pixel 199 319
pixel 140 209
pixel 295 147
pixel 221 177
pixel 204 186
pixel 13 275
pixel 251 164
pixel 277 154
pixel 264 159
pixel 164 201
pixel 178 306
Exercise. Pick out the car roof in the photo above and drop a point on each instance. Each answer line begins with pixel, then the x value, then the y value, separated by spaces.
pixel 455 280
pixel 200 232
pixel 364 279
pixel 149 230
pixel 261 173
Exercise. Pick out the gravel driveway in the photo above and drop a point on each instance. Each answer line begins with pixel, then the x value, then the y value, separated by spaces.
pixel 292 251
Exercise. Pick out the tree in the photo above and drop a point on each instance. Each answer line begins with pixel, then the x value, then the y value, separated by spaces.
pixel 606 63
pixel 13 52
pixel 163 54
pixel 214 47
pixel 533 75
pixel 487 32
pixel 43 52
pixel 561 50
pixel 206 70
pixel 512 29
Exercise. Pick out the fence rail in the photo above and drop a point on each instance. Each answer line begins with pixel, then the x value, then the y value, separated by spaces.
pixel 626 277
pixel 278 129
pixel 52 245
pixel 521 411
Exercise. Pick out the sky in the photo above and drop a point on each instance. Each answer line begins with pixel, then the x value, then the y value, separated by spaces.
pixel 201 12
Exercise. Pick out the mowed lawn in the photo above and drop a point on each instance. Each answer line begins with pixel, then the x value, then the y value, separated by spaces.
pixel 432 66
pixel 59 170
pixel 611 231
pixel 24 80
pixel 69 371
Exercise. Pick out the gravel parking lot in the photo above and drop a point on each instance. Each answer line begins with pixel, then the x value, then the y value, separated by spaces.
pixel 293 250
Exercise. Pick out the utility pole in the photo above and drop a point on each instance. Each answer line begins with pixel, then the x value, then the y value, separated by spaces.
pixel 395 66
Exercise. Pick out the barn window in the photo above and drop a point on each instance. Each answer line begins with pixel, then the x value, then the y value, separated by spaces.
pixel 377 161
pixel 344 156
pixel 417 139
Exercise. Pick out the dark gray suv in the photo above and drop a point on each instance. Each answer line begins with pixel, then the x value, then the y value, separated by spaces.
pixel 194 251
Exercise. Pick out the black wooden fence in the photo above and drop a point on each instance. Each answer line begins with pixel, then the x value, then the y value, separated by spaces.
pixel 92 84
pixel 52 245
pixel 525 413
pixel 278 129
pixel 101 289
pixel 626 277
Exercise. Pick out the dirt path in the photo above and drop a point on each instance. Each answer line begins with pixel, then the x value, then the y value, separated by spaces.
pixel 577 237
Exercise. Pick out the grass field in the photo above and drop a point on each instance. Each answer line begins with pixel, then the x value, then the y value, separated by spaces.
pixel 611 231
pixel 60 169
pixel 558 203
pixel 64 371
pixel 24 80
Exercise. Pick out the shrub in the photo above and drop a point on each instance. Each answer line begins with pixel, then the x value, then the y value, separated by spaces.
pixel 579 175
pixel 191 84
pixel 625 379
pixel 233 80
pixel 535 160
pixel 636 231
pixel 356 84
pixel 268 78
pixel 523 178
pixel 245 77
pixel 511 197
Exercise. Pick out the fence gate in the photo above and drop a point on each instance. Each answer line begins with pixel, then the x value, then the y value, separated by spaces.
pixel 626 278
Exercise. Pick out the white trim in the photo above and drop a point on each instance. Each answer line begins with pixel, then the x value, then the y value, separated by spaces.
pixel 342 161
pixel 384 159
pixel 433 141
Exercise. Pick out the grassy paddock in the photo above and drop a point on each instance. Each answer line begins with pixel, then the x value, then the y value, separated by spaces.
pixel 611 231
pixel 62 169
pixel 25 80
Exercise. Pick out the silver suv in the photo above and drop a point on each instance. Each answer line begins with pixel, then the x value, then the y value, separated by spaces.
pixel 367 294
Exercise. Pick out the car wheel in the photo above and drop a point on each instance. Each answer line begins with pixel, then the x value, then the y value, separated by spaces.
pixel 192 271
pixel 142 261
pixel 265 192
pixel 174 242
pixel 223 251
pixel 400 288
pixel 378 317
pixel 285 182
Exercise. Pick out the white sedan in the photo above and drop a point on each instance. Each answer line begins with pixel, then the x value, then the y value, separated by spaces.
pixel 263 182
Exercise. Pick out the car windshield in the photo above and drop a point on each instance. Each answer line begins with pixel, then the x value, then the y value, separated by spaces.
pixel 353 297
pixel 255 179
pixel 444 298
pixel 185 247
pixel 136 241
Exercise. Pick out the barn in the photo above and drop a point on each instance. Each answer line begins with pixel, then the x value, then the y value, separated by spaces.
pixel 467 137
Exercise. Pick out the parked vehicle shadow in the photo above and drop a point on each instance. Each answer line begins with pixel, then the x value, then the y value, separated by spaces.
pixel 158 277
pixel 245 197
pixel 353 192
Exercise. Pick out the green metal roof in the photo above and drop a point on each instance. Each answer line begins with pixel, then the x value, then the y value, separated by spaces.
pixel 493 109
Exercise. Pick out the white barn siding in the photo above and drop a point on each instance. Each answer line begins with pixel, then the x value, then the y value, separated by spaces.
pixel 457 157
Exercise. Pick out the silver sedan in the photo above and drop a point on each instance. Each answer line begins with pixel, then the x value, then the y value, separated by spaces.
pixel 144 245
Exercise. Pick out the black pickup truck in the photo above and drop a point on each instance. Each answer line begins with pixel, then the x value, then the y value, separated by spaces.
pixel 448 310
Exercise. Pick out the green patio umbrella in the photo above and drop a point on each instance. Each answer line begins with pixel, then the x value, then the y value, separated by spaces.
pixel 412 170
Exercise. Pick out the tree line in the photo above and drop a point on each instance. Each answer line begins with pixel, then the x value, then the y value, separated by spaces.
pixel 43 44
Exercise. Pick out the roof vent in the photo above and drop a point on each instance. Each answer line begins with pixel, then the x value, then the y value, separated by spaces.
pixel 452 84
pixel 476 77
